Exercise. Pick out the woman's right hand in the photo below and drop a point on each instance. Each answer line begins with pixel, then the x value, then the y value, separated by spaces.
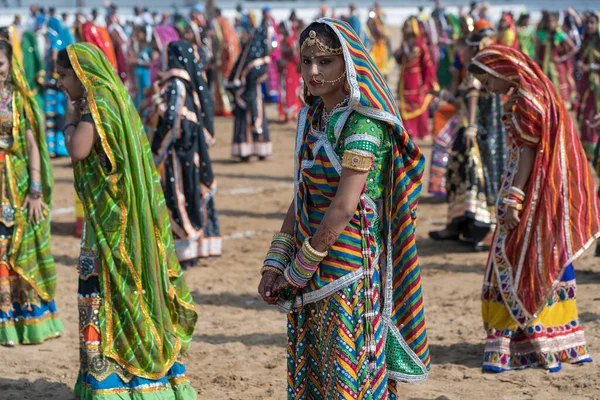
pixel 266 286
pixel 73 114
pixel 511 218
pixel 470 137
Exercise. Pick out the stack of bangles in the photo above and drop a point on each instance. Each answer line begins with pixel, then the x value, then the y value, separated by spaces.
pixel 35 189
pixel 304 266
pixel 515 198
pixel 279 256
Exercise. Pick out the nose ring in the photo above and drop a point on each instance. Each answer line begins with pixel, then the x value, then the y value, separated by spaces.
pixel 319 81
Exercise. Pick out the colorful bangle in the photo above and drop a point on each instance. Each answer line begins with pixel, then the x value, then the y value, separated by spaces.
pixel 35 189
pixel 266 268
pixel 280 254
pixel 305 264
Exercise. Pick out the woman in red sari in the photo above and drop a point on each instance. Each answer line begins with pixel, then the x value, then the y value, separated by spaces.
pixel 589 85
pixel 548 214
pixel 289 99
pixel 417 79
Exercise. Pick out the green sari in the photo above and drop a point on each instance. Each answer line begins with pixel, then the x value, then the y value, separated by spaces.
pixel 33 65
pixel 147 315
pixel 30 316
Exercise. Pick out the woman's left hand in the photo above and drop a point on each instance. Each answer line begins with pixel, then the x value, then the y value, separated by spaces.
pixel 511 218
pixel 36 208
pixel 281 283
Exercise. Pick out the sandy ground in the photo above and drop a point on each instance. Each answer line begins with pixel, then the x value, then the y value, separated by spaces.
pixel 239 343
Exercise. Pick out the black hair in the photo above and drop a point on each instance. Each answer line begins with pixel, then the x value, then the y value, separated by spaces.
pixel 324 33
pixel 51 10
pixel 7 49
pixel 476 70
pixel 63 59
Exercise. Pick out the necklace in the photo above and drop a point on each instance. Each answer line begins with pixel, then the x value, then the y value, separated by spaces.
pixel 326 116
pixel 5 95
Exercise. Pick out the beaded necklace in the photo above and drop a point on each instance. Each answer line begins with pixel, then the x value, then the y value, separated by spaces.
pixel 326 116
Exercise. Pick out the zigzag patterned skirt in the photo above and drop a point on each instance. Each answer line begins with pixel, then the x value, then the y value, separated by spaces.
pixel 327 355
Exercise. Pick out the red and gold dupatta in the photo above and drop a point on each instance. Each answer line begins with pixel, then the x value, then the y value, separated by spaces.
pixel 561 217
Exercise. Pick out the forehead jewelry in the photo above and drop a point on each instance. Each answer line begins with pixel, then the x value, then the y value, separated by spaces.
pixel 313 40
pixel 322 81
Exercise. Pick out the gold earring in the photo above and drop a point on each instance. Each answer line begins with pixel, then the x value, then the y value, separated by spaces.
pixel 347 87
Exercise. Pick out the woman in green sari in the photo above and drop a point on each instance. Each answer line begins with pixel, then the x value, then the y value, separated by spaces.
pixel 27 273
pixel 33 65
pixel 136 313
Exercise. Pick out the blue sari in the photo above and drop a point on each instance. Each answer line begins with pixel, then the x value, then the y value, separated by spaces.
pixel 59 37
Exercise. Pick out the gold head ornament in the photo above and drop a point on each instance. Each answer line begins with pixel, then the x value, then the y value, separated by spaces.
pixel 313 40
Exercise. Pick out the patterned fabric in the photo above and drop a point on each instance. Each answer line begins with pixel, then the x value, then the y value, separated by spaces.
pixel 380 334
pixel 147 316
pixel 27 270
pixel 554 337
pixel 180 146
pixel 560 183
pixel 440 156
pixel 475 174
pixel 101 377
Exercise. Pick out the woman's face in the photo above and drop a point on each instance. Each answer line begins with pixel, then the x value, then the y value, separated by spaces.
pixel 69 83
pixel 552 23
pixel 591 25
pixel 4 66
pixel 495 85
pixel 188 34
pixel 317 67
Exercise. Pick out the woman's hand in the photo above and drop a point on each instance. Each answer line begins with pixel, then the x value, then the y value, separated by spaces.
pixel 73 111
pixel 470 137
pixel 595 122
pixel 266 285
pixel 511 218
pixel 36 208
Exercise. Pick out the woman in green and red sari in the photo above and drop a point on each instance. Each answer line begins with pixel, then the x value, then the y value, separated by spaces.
pixel 589 86
pixel 345 263
pixel 554 54
pixel 27 273
pixel 136 313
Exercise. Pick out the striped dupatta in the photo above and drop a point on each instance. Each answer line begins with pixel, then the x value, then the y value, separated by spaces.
pixel 403 313
pixel 561 215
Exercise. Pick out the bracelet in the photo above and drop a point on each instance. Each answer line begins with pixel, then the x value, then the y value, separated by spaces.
pixel 471 131
pixel 35 186
pixel 305 265
pixel 280 254
pixel 518 207
pixel 309 249
pixel 69 125
pixel 266 268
